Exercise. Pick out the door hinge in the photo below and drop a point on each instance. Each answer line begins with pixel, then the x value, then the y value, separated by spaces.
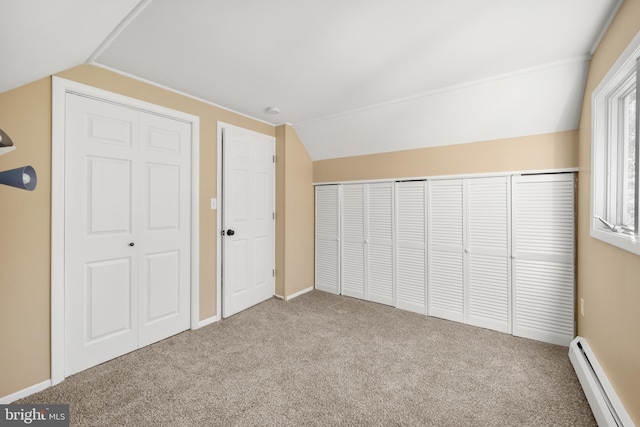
pixel 274 215
pixel 274 158
pixel 273 272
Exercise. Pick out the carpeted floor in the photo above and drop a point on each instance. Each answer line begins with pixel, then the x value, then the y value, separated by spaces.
pixel 322 359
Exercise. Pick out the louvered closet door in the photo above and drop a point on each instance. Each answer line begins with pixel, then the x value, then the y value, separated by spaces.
pixel 543 251
pixel 446 243
pixel 379 243
pixel 327 269
pixel 353 246
pixel 411 253
pixel 488 256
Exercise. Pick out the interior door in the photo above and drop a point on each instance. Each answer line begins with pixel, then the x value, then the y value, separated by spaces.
pixel 164 234
pixel 544 257
pixel 379 243
pixel 327 259
pixel 101 186
pixel 411 246
pixel 446 244
pixel 353 241
pixel 248 219
pixel 127 230
pixel 488 269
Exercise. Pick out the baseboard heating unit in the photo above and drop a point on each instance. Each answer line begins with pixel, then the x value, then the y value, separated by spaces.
pixel 605 404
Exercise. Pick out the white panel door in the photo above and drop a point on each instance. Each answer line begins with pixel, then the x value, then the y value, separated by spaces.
pixel 101 185
pixel 411 248
pixel 124 285
pixel 446 244
pixel 248 219
pixel 379 243
pixel 164 234
pixel 488 264
pixel 543 257
pixel 353 276
pixel 327 259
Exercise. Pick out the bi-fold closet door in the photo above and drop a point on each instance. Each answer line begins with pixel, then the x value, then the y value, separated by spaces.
pixel 327 244
pixel 544 257
pixel 469 251
pixel 494 252
pixel 367 244
pixel 411 245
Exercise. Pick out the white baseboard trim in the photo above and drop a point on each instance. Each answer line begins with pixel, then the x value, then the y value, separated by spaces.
pixel 297 294
pixel 25 392
pixel 603 400
pixel 279 297
pixel 208 321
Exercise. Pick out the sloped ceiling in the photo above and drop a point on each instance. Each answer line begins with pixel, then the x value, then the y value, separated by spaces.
pixel 352 76
pixel 39 38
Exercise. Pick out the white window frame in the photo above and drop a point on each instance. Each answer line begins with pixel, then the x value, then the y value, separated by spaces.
pixel 606 187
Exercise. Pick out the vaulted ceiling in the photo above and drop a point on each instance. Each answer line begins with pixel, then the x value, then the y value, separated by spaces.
pixel 352 76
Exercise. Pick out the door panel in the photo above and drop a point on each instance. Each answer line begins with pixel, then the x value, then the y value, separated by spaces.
pixel 248 197
pixel 109 196
pixel 411 235
pixel 165 243
pixel 446 260
pixel 327 259
pixel 379 243
pixel 162 286
pixel 543 257
pixel 488 252
pixel 353 245
pixel 108 293
pixel 101 183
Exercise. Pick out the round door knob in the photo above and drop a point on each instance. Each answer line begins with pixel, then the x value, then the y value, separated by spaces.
pixel 230 232
pixel 132 244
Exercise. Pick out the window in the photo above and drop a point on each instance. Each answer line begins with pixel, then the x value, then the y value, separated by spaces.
pixel 614 151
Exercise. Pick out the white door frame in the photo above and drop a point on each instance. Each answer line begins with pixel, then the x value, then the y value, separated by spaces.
pixel 220 209
pixel 60 87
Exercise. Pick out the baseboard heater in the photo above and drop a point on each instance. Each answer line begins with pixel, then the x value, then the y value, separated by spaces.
pixel 605 404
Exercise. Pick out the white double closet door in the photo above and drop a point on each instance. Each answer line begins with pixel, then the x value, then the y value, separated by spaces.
pixel 127 230
pixel 469 251
pixel 367 220
pixel 495 252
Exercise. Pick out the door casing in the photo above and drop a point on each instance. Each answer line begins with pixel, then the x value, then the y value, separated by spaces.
pixel 60 87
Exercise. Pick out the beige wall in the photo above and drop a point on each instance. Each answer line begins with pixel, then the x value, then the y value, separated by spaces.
pixel 25 114
pixel 547 151
pixel 608 277
pixel 295 214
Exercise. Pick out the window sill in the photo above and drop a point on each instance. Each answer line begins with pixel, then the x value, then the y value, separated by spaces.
pixel 622 241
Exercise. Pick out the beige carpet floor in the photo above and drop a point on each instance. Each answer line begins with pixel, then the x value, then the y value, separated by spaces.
pixel 327 360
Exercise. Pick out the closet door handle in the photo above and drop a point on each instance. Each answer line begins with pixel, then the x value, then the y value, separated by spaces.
pixel 132 244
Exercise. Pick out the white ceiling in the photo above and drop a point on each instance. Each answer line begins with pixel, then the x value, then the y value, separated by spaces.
pixel 352 76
